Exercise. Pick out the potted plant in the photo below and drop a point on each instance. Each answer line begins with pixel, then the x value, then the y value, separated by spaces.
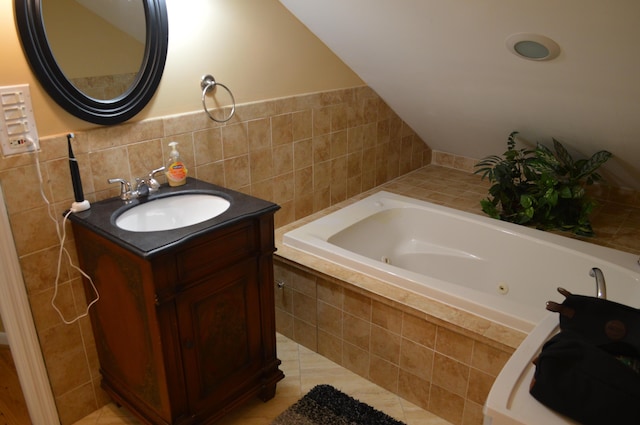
pixel 540 187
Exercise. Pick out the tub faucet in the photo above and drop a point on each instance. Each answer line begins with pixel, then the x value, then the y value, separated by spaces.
pixel 601 286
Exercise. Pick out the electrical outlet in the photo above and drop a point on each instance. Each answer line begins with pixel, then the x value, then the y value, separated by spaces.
pixel 17 123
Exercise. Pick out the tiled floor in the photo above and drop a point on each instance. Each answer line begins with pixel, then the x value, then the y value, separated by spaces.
pixel 303 370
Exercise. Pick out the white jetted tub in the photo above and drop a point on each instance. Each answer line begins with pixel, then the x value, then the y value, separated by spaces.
pixel 497 270
pixel 493 269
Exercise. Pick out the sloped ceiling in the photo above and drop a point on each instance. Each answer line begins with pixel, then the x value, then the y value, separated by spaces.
pixel 442 65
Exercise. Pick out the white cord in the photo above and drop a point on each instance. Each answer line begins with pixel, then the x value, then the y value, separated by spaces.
pixel 61 238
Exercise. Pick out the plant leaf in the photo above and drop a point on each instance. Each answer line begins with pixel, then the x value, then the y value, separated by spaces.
pixel 562 154
pixel 596 160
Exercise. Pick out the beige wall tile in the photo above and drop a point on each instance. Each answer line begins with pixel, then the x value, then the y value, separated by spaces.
pixel 301 281
pixel 473 414
pixel 385 344
pixel 39 270
pixel 414 389
pixel 73 404
pixel 282 159
pixel 338 144
pixel 235 140
pixel 321 175
pixel 330 346
pixel 383 373
pixel 207 146
pixel 330 293
pixel 488 359
pixel 284 323
pixel 450 374
pixel 357 331
pixel 454 345
pixel 259 134
pixel 107 164
pixel 281 129
pixel 357 305
pixel 33 230
pixel 283 188
pixel 305 334
pixel 338 117
pixel 304 307
pixel 321 145
pixel 62 346
pixel 44 316
pixel 302 154
pixel 283 296
pixel 479 386
pixel 237 172
pixel 416 359
pixel 329 319
pixel 21 187
pixel 386 317
pixel 147 156
pixel 447 405
pixel 303 182
pixel 301 125
pixel 355 358
pixel 419 330
pixel 212 172
pixel 321 121
pixel 261 163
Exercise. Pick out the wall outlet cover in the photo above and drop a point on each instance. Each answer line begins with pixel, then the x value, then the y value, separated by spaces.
pixel 18 131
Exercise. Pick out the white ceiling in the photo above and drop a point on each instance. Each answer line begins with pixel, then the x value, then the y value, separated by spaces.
pixel 442 65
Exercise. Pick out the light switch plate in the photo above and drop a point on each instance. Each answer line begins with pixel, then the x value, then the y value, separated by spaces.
pixel 17 123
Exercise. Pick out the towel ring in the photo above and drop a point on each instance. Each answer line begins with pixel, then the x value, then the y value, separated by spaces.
pixel 209 83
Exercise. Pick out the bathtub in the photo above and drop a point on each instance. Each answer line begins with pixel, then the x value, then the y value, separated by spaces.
pixel 496 270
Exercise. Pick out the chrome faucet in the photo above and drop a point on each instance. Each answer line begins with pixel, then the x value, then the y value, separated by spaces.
pixel 601 286
pixel 144 186
pixel 148 184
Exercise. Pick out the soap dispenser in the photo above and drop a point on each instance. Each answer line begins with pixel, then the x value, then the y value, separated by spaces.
pixel 176 170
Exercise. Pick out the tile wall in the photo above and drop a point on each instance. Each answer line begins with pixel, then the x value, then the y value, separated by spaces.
pixel 440 367
pixel 304 153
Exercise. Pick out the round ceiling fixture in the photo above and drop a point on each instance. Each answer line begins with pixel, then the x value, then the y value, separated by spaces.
pixel 534 47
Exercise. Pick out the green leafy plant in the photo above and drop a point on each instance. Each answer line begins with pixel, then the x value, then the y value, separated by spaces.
pixel 541 188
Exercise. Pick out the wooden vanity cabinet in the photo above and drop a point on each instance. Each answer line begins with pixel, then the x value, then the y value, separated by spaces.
pixel 189 334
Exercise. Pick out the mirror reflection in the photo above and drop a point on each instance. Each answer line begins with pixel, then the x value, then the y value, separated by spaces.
pixel 99 45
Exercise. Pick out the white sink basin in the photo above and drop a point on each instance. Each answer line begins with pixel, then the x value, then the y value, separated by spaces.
pixel 172 212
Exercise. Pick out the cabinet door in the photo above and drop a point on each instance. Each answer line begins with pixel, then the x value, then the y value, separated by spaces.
pixel 219 321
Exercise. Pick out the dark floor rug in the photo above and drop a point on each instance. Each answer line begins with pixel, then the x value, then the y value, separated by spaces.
pixel 325 405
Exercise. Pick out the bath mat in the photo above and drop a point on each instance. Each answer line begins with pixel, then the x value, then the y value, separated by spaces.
pixel 325 405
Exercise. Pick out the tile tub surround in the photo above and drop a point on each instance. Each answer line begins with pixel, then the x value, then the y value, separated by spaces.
pixel 444 368
pixel 304 153
pixel 439 358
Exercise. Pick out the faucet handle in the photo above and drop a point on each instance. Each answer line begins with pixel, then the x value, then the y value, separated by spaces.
pixel 125 187
pixel 156 171
pixel 152 182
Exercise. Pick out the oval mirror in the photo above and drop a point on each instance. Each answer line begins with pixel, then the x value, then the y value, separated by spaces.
pixel 100 61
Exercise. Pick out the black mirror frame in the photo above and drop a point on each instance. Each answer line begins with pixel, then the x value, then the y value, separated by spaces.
pixel 28 16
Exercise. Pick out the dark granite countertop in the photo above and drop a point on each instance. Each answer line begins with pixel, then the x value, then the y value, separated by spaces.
pixel 100 218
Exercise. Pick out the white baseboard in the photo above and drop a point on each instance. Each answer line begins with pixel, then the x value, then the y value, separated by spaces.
pixel 3 339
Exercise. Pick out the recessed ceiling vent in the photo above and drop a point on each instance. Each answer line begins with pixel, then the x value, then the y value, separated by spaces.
pixel 534 47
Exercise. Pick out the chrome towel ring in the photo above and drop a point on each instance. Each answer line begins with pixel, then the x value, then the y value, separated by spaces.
pixel 209 83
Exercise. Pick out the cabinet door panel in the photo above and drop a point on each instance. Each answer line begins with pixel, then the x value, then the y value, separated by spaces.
pixel 219 322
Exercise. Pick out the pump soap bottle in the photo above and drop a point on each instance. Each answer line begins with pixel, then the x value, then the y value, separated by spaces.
pixel 176 170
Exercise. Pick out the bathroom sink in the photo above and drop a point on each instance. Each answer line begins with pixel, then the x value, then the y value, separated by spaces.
pixel 172 212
